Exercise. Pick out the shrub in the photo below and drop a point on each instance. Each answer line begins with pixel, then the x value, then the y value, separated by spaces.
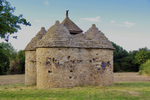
pixel 145 68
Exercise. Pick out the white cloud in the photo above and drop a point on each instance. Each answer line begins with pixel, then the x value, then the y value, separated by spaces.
pixel 96 19
pixel 128 24
pixel 46 3
pixel 112 21
pixel 37 20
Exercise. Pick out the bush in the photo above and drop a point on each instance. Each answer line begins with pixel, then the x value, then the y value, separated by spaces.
pixel 145 68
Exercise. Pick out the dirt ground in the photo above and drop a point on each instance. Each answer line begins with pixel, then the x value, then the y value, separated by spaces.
pixel 118 77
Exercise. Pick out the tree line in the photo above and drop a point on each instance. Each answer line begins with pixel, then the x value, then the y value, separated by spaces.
pixel 129 61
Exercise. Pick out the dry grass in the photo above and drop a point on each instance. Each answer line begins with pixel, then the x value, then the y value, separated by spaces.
pixel 12 79
pixel 130 77
pixel 118 77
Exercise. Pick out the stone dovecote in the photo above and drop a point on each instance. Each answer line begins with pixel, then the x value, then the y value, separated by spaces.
pixel 64 59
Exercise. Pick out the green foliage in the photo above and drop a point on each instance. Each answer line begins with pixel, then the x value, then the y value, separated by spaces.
pixel 11 61
pixel 4 62
pixel 116 67
pixel 17 66
pixel 9 23
pixel 142 56
pixel 9 50
pixel 119 52
pixel 125 64
pixel 145 68
pixel 124 61
pixel 21 58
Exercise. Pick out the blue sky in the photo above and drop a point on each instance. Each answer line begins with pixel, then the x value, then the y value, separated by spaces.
pixel 125 22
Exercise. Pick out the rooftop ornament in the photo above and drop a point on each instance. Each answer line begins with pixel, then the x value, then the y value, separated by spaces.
pixel 67 13
pixel 70 25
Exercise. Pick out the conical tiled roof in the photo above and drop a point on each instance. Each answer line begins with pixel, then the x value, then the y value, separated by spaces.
pixel 59 36
pixel 56 36
pixel 70 25
pixel 31 45
pixel 97 39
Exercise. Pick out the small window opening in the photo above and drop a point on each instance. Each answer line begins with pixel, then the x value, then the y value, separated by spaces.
pixel 93 59
pixel 108 63
pixel 53 60
pixel 70 77
pixel 68 57
pixel 71 71
pixel 49 71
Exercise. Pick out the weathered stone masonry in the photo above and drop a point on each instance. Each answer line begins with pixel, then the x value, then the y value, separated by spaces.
pixel 67 67
pixel 65 57
pixel 30 67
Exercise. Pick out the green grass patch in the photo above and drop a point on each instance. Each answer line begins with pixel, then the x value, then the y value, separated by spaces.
pixel 120 91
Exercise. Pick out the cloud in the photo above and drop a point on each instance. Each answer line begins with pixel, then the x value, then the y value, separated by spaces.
pixel 46 3
pixel 37 20
pixel 128 24
pixel 112 21
pixel 96 19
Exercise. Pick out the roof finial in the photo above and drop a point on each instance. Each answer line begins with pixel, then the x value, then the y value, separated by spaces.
pixel 67 13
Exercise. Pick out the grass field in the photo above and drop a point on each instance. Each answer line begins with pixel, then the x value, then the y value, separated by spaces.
pixel 120 91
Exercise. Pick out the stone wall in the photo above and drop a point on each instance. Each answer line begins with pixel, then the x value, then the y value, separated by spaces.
pixel 30 67
pixel 68 67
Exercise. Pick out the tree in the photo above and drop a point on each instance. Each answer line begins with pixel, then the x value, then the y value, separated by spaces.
pixel 135 65
pixel 9 23
pixel 119 53
pixel 9 50
pixel 21 58
pixel 17 66
pixel 142 56
pixel 4 62
pixel 7 54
